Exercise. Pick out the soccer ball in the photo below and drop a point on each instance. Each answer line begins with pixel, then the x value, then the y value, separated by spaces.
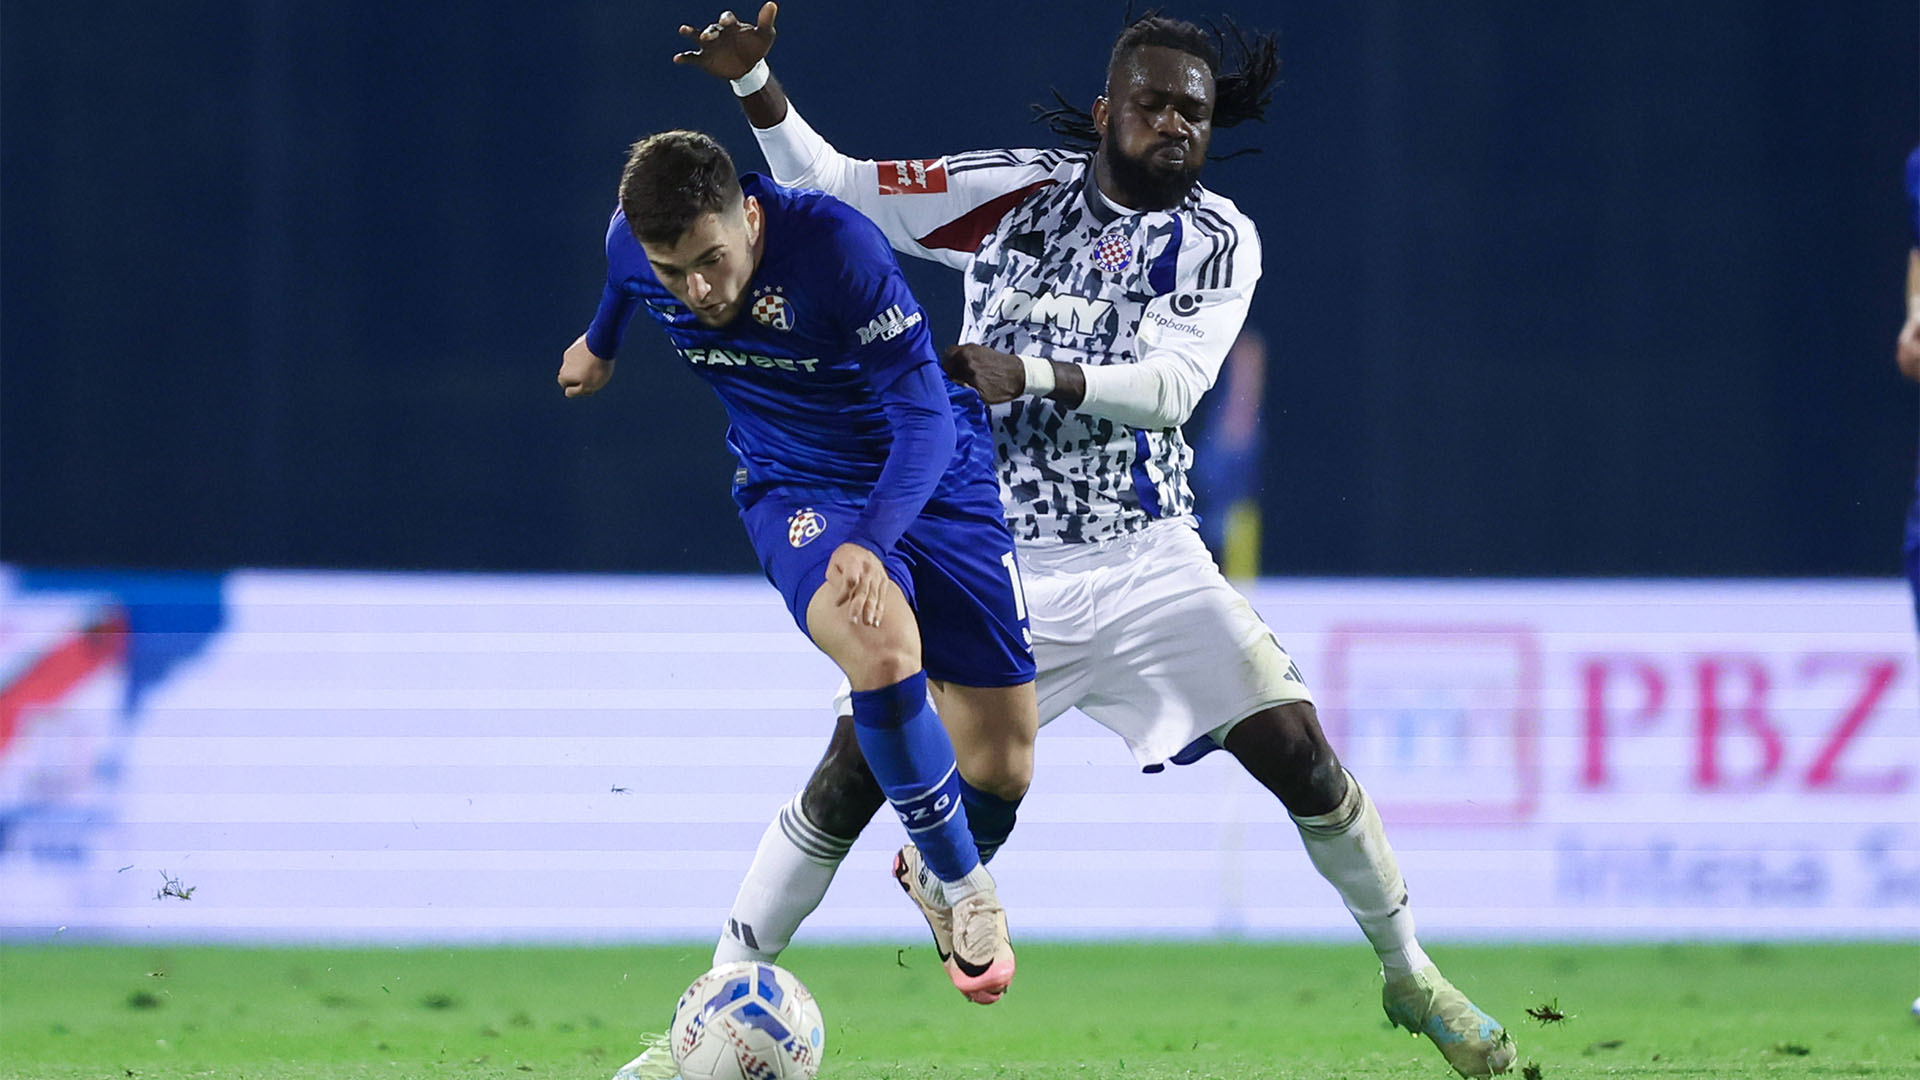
pixel 747 1021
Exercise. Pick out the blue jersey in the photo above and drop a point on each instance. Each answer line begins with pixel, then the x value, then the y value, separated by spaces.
pixel 829 324
pixel 1913 198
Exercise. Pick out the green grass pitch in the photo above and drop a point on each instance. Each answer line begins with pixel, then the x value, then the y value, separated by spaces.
pixel 1227 1011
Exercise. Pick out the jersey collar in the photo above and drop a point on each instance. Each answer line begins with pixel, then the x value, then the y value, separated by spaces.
pixel 1106 211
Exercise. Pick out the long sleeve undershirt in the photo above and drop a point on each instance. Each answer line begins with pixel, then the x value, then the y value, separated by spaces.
pixel 1160 391
pixel 923 439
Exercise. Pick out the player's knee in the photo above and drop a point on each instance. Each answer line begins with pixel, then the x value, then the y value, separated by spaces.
pixel 883 664
pixel 1016 772
pixel 1001 766
pixel 1285 749
pixel 1303 751
pixel 1002 779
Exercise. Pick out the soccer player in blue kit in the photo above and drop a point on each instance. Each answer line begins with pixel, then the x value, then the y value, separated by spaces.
pixel 1907 356
pixel 866 479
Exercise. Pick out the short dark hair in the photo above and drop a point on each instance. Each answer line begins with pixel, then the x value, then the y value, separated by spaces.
pixel 673 178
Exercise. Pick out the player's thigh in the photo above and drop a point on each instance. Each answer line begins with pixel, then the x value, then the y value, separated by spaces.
pixel 1062 618
pixel 795 535
pixel 967 589
pixel 1184 655
pixel 872 657
pixel 1180 631
pixel 992 729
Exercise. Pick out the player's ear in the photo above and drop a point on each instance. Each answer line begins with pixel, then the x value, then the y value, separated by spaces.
pixel 1100 115
pixel 754 220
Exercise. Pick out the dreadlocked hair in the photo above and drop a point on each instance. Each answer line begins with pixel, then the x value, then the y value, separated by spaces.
pixel 1240 95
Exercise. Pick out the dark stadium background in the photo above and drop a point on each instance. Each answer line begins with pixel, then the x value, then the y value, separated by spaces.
pixel 1574 288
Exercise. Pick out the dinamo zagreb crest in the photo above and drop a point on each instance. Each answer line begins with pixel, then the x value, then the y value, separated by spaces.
pixel 771 309
pixel 805 526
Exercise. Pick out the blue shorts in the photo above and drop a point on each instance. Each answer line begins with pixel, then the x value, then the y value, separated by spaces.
pixel 954 563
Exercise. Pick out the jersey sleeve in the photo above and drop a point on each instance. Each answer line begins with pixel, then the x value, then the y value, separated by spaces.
pixel 933 208
pixel 886 333
pixel 881 325
pixel 617 299
pixel 1204 280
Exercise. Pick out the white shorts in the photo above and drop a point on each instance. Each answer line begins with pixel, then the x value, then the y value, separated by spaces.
pixel 1145 636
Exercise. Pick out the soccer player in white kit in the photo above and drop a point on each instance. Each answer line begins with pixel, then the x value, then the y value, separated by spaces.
pixel 1103 290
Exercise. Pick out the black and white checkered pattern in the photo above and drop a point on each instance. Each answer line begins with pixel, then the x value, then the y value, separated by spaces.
pixel 1067 475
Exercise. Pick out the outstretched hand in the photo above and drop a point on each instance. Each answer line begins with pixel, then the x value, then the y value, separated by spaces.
pixel 728 48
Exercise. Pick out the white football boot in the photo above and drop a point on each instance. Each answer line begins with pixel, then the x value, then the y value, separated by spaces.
pixel 1425 1003
pixel 970 936
pixel 918 882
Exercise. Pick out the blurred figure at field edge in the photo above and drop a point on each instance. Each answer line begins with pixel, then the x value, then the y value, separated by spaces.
pixel 1906 354
pixel 1233 438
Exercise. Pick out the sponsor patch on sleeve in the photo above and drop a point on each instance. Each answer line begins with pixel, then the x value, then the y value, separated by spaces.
pixel 927 176
pixel 888 325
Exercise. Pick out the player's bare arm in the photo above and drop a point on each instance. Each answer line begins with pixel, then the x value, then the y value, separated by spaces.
pixel 730 49
pixel 998 376
pixel 581 372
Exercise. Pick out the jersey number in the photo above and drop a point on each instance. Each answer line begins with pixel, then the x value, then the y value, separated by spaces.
pixel 1019 590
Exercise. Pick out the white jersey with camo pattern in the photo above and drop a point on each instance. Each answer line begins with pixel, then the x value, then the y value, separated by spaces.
pixel 1054 270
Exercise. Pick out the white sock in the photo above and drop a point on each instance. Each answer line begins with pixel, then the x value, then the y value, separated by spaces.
pixel 952 892
pixel 1348 845
pixel 790 873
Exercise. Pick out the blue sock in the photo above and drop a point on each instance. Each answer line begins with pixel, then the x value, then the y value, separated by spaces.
pixel 909 753
pixel 989 817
